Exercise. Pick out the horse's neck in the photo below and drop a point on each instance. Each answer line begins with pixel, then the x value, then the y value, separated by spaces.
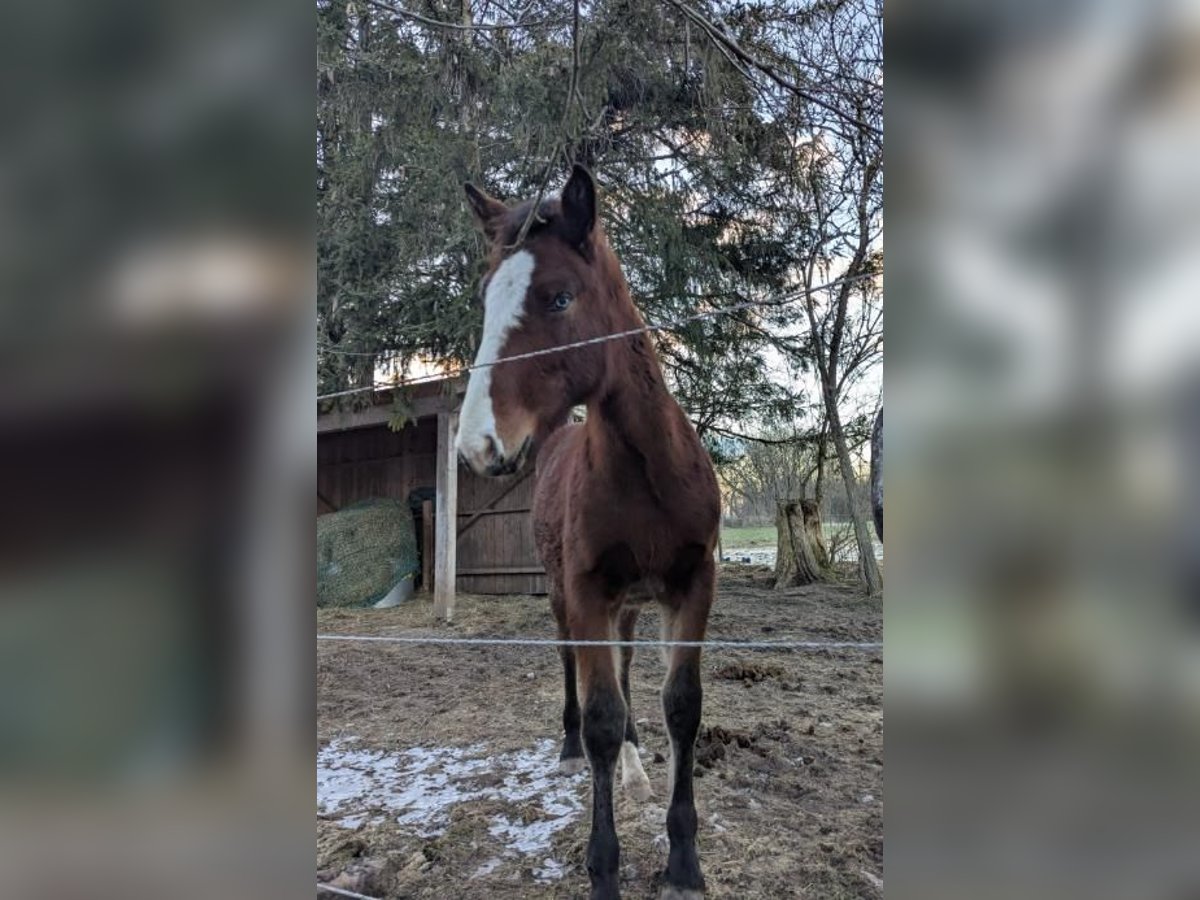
pixel 634 416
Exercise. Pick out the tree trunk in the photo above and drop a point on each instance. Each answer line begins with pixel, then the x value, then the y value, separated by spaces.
pixel 811 511
pixel 800 557
pixel 868 568
pixel 877 472
pixel 819 487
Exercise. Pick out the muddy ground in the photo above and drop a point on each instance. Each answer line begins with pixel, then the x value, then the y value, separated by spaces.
pixel 437 779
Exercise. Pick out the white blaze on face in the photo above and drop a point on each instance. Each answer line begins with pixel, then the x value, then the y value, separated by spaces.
pixel 503 306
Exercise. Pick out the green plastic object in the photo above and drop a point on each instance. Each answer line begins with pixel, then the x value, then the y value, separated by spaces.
pixel 364 552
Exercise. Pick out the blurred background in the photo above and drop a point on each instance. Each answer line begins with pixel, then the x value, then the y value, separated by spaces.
pixel 157 292
pixel 1042 611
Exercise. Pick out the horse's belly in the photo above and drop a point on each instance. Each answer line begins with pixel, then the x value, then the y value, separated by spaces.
pixel 645 590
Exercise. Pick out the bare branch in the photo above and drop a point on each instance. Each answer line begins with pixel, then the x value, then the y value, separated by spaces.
pixel 722 37
pixel 456 26
pixel 571 96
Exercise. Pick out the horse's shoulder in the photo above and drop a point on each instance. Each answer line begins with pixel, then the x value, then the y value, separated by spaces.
pixel 558 445
pixel 552 469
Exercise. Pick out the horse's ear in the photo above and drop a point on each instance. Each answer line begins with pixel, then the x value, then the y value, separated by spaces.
pixel 488 211
pixel 579 207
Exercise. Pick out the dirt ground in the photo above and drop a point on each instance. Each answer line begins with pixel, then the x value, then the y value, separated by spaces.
pixel 437 779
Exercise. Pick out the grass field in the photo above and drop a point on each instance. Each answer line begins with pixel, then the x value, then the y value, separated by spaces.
pixel 754 536
pixel 764 535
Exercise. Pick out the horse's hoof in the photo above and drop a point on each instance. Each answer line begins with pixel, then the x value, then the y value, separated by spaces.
pixel 670 892
pixel 572 765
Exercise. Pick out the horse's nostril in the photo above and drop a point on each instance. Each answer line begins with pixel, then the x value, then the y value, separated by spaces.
pixel 492 450
pixel 502 467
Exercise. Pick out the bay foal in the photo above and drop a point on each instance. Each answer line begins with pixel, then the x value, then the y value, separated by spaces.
pixel 625 504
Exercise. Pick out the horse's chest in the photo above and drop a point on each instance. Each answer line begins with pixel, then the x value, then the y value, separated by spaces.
pixel 653 528
pixel 631 532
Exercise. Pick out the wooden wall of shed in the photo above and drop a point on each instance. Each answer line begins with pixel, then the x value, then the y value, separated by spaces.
pixel 377 462
pixel 499 545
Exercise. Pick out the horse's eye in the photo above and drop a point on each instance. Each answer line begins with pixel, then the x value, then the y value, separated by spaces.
pixel 561 301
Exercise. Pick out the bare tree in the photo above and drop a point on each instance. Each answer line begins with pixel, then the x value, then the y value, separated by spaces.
pixel 828 325
pixel 845 180
pixel 822 76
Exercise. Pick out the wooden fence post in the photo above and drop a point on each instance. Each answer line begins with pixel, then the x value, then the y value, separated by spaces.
pixel 446 540
pixel 427 546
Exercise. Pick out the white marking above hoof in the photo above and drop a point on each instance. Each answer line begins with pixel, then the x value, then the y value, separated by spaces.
pixel 572 766
pixel 674 893
pixel 633 776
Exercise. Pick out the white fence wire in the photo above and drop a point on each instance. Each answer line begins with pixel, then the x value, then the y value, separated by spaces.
pixel 551 642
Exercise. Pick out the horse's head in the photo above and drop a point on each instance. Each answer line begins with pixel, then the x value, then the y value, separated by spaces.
pixel 555 288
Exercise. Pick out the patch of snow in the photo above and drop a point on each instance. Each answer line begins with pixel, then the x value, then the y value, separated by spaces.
pixel 757 556
pixel 488 867
pixel 550 870
pixel 417 788
pixel 527 837
pixel 765 556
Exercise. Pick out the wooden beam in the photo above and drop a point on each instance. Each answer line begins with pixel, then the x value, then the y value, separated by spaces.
pixel 504 570
pixel 323 499
pixel 446 541
pixel 493 512
pixel 422 407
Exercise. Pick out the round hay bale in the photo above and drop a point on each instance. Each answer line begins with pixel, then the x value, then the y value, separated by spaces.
pixel 364 551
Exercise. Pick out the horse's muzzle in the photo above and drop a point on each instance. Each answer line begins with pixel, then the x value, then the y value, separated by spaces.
pixel 509 465
pixel 494 464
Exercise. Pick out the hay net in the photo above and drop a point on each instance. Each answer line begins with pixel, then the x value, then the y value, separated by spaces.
pixel 364 551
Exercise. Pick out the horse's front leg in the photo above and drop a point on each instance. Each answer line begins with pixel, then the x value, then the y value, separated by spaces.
pixel 604 716
pixel 570 760
pixel 686 619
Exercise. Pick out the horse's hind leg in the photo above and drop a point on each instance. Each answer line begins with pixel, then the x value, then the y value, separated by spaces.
pixel 686 620
pixel 570 760
pixel 633 776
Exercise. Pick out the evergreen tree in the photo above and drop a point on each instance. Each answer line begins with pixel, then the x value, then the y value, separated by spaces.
pixel 731 140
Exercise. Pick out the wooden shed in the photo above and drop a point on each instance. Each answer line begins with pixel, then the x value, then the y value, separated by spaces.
pixel 487 542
